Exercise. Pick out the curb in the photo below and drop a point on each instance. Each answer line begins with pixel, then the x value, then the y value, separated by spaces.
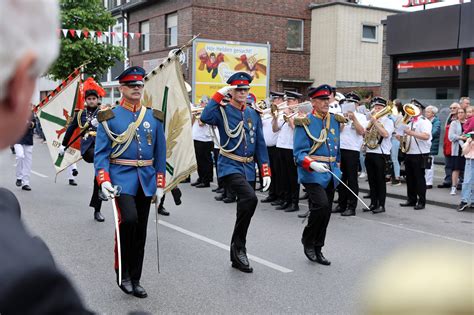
pixel 403 197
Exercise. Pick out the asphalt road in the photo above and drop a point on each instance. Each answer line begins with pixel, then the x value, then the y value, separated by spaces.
pixel 196 276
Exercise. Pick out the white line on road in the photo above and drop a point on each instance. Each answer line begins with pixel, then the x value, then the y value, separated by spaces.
pixel 223 246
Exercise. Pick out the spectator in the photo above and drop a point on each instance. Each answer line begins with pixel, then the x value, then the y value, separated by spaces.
pixel 469 125
pixel 457 140
pixel 465 102
pixel 447 147
pixel 467 185
pixel 397 119
pixel 430 114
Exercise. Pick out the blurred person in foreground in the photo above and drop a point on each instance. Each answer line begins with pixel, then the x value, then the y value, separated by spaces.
pixel 30 282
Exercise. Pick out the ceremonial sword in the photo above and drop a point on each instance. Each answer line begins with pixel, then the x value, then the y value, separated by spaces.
pixel 157 243
pixel 340 181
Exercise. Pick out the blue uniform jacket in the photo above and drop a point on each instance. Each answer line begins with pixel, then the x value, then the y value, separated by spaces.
pixel 330 148
pixel 253 143
pixel 147 144
pixel 86 142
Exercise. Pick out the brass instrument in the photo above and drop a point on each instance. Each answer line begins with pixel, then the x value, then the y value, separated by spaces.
pixel 372 136
pixel 196 111
pixel 410 112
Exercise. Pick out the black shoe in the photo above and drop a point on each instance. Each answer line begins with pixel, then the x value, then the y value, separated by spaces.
pixel 303 215
pixel 229 200
pixel 75 172
pixel 371 208
pixel 338 209
pixel 203 185
pixel 294 207
pixel 220 190
pixel 18 182
pixel 176 193
pixel 268 199
pixel 220 197
pixel 239 259
pixel 283 206
pixel 72 182
pixel 310 252
pixel 305 196
pixel 277 202
pixel 419 206
pixel 126 285
pixel 196 183
pixel 162 211
pixel 429 186
pixel 98 216
pixel 138 290
pixel 407 204
pixel 320 259
pixel 444 185
pixel 366 196
pixel 379 209
pixel 26 187
pixel 348 213
pixel 463 205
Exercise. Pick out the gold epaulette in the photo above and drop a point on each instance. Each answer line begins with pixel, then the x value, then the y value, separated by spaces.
pixel 158 114
pixel 301 121
pixel 340 118
pixel 105 114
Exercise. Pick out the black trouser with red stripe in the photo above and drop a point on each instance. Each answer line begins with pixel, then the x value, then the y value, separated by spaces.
pixel 349 168
pixel 289 173
pixel 133 214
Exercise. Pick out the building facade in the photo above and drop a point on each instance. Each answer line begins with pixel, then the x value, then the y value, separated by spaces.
pixel 347 44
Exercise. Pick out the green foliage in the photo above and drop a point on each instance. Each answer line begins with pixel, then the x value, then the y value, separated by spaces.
pixel 85 15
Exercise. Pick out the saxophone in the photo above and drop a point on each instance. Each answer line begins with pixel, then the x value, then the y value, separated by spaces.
pixel 410 111
pixel 372 136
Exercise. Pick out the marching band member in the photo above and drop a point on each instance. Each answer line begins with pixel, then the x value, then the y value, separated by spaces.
pixel 86 121
pixel 316 150
pixel 418 143
pixel 241 138
pixel 351 143
pixel 271 139
pixel 289 175
pixel 203 145
pixel 24 156
pixel 378 135
pixel 130 163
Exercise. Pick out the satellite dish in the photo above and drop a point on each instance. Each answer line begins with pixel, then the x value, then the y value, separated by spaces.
pixel 181 55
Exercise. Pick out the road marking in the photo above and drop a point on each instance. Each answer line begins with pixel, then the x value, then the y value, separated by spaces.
pixel 36 173
pixel 223 246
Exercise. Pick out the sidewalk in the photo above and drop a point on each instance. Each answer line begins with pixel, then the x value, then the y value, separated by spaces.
pixel 435 196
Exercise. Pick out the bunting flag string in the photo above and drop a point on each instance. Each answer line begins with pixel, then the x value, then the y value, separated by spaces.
pixel 85 33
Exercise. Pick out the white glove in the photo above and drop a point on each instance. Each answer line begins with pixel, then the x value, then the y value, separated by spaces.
pixel 159 194
pixel 94 122
pixel 226 89
pixel 108 190
pixel 267 180
pixel 319 167
pixel 61 150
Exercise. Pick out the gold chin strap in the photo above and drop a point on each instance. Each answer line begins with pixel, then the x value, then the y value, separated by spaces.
pixel 323 135
pixel 122 141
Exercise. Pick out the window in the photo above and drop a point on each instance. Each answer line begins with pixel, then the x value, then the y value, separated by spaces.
pixel 106 4
pixel 295 35
pixel 172 29
pixel 145 37
pixel 369 33
pixel 117 40
pixel 118 2
pixel 429 68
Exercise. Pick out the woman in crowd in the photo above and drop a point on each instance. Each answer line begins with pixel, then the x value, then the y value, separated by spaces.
pixel 457 140
pixel 397 119
pixel 430 114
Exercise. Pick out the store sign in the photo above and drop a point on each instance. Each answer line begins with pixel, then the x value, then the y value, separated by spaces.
pixel 414 3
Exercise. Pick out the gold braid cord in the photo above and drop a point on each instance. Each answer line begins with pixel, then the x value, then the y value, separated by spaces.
pixel 317 142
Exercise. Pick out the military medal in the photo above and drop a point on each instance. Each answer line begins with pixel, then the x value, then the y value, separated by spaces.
pixel 149 138
pixel 146 125
pixel 249 122
pixel 252 140
pixel 333 131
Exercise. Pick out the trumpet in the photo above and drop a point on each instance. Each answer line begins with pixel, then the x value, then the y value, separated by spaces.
pixel 277 111
pixel 196 111
pixel 410 112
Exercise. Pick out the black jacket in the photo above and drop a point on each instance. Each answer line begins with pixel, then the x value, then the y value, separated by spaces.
pixel 27 138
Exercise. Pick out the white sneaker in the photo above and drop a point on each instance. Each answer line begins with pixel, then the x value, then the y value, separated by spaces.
pixel 363 175
pixel 453 191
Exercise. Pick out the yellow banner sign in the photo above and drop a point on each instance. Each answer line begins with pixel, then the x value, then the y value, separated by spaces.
pixel 216 61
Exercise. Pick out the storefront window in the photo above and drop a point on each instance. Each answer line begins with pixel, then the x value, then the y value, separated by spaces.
pixel 429 68
pixel 470 64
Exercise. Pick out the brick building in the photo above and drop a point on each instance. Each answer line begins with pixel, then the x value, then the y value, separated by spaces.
pixel 284 24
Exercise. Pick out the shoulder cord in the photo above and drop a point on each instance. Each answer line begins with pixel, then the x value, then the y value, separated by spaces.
pixel 231 133
pixel 317 142
pixel 124 138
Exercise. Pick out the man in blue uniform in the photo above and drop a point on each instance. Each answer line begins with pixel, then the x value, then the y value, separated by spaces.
pixel 130 162
pixel 316 150
pixel 86 121
pixel 241 139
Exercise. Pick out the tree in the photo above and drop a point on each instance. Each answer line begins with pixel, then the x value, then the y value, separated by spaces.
pixel 85 15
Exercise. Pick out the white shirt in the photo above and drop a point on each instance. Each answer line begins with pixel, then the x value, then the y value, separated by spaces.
pixel 350 139
pixel 270 137
pixel 217 139
pixel 386 145
pixel 201 133
pixel 285 136
pixel 421 125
